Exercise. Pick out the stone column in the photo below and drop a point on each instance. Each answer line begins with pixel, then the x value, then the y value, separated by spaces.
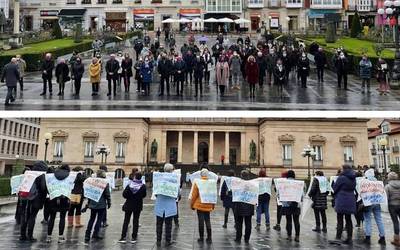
pixel 180 147
pixel 226 148
pixel 211 149
pixel 243 147
pixel 163 146
pixel 195 147
pixel 16 16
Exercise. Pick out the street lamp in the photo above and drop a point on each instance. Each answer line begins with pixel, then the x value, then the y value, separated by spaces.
pixel 381 13
pixel 309 153
pixel 288 23
pixel 103 150
pixel 383 144
pixel 392 9
pixel 47 137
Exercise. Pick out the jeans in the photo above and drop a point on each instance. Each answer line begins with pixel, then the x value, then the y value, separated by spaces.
pixel 263 208
pixel 61 225
pixel 168 228
pixel 95 213
pixel 296 222
pixel 204 218
pixel 28 218
pixel 349 226
pixel 317 213
pixel 235 78
pixel 239 227
pixel 376 210
pixel 135 223
pixel 395 215
pixel 226 215
pixel 10 96
pixel 365 81
pixel 320 73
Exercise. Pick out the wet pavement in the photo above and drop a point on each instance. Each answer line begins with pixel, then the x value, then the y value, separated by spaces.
pixel 324 96
pixel 185 237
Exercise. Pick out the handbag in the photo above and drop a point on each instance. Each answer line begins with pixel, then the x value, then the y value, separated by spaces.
pixel 75 198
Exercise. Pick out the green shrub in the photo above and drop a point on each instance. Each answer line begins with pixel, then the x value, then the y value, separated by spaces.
pixel 57 33
pixel 330 33
pixel 78 33
pixel 5 189
pixel 355 26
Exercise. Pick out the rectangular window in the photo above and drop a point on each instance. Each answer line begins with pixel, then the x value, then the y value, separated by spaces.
pixel 287 152
pixel 89 146
pixel 58 149
pixel 5 126
pixel 318 152
pixel 120 149
pixel 348 154
pixel 397 160
pixel 385 128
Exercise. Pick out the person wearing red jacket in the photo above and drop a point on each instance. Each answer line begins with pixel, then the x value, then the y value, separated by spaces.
pixel 252 71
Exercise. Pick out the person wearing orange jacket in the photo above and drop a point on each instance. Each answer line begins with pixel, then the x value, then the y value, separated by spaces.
pixel 203 210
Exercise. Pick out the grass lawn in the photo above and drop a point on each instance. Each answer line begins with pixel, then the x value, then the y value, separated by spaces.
pixel 44 47
pixel 354 46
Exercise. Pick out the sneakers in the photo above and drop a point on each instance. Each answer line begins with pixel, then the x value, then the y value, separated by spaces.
pixel 224 226
pixel 277 227
pixel 200 240
pixel 267 226
pixel 61 239
pixel 208 240
pixel 133 241
pixel 317 229
pixel 297 239
pixel 122 240
pixel 48 239
pixel 382 241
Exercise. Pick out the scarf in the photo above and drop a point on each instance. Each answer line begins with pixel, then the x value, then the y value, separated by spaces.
pixel 94 69
pixel 135 185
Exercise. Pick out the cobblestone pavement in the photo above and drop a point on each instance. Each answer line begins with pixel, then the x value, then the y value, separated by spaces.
pixel 324 96
pixel 186 235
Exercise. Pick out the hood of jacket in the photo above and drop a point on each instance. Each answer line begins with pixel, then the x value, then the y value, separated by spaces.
pixel 61 174
pixel 40 166
pixel 370 174
pixel 349 173
pixel 135 185
pixel 394 184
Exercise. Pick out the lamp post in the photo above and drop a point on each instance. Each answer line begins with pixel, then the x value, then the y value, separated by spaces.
pixel 392 10
pixel 288 23
pixel 47 137
pixel 381 13
pixel 309 153
pixel 103 150
pixel 383 144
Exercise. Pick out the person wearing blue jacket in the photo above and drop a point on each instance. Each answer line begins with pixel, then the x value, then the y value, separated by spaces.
pixel 226 197
pixel 165 209
pixel 365 73
pixel 146 72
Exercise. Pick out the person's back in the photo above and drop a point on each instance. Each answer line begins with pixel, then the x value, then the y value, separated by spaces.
pixel 11 74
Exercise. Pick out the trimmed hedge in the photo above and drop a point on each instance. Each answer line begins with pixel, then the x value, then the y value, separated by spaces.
pixel 5 189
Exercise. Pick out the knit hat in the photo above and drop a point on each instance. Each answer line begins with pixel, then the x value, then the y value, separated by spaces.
pixel 393 176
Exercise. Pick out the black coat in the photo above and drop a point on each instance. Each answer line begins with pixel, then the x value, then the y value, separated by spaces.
pixel 10 75
pixel 126 66
pixel 262 66
pixel 303 67
pixel 199 68
pixel 243 209
pixel 165 67
pixel 134 202
pixel 62 73
pixel 341 65
pixel 47 66
pixel 77 70
pixel 319 199
pixel 179 66
pixel 226 196
pixel 112 66
pixel 279 76
pixel 78 185
pixel 320 59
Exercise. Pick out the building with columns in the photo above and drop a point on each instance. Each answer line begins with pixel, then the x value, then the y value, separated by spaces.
pixel 145 143
pixel 18 142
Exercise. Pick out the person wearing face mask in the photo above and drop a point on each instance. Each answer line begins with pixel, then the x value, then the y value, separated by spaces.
pixel 127 73
pixel 199 67
pixel 47 73
pixel 303 69
pixel 365 73
pixel 179 69
pixel 146 72
pixel 285 58
pixel 320 62
pixel 138 78
pixel 21 68
pixel 77 71
pixel 382 76
pixel 252 73
pixel 208 62
pixel 279 76
pixel 164 69
pixel 271 61
pixel 341 65
pixel 222 74
pixel 112 67
pixel 95 75
pixel 235 65
pixel 262 67
pixel 62 75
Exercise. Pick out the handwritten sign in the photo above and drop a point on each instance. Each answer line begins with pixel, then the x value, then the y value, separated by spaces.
pixel 110 176
pixel 245 191
pixel 264 185
pixel 57 188
pixel 16 182
pixel 166 184
pixel 290 190
pixel 93 188
pixel 228 181
pixel 372 192
pixel 29 179
pixel 323 184
pixel 196 175
pixel 358 186
pixel 207 190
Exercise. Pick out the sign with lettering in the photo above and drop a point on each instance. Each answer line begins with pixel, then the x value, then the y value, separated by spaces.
pixel 245 191
pixel 16 182
pixel 372 192
pixel 93 188
pixel 196 175
pixel 29 179
pixel 264 185
pixel 207 190
pixel 57 188
pixel 323 184
pixel 110 176
pixel 290 190
pixel 166 184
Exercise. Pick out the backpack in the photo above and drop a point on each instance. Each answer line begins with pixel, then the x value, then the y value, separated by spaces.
pixel 31 195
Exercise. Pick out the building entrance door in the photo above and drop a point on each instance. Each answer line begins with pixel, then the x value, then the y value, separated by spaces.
pixel 203 152
pixel 173 155
pixel 232 156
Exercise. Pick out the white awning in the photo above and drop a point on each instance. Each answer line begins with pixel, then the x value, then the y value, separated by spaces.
pixel 225 20
pixel 211 20
pixel 184 20
pixel 241 20
pixel 170 20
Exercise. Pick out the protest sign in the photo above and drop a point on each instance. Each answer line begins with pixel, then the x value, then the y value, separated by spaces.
pixel 372 192
pixel 93 188
pixel 264 185
pixel 245 191
pixel 323 184
pixel 57 188
pixel 166 184
pixel 110 176
pixel 196 175
pixel 305 207
pixel 29 179
pixel 16 182
pixel 228 181
pixel 290 190
pixel 207 190
pixel 332 179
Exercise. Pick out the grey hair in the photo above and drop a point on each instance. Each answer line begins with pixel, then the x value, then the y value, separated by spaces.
pixel 393 176
pixel 204 172
pixel 168 167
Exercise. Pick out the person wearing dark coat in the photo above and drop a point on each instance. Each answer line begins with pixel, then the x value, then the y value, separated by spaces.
pixel 179 70
pixel 62 76
pixel 345 201
pixel 138 46
pixel 138 78
pixel 18 206
pixel 252 73
pixel 303 68
pixel 146 72
pixel 292 212
pixel 76 199
pixel 47 73
pixel 127 73
pixel 189 60
pixel 60 205
pixel 320 62
pixel 164 68
pixel 262 67
pixel 279 76
pixel 30 206
pixel 341 64
pixel 243 213
pixel 320 202
pixel 97 210
pixel 134 193
pixel 112 67
pixel 198 70
pixel 226 197
pixel 285 58
pixel 77 70
pixel 11 76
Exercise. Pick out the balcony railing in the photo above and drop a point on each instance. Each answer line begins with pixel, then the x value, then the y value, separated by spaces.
pixel 86 2
pixel 57 158
pixel 101 1
pixel 156 1
pixel 325 6
pixel 255 4
pixel 294 5
pixel 120 159
pixel 395 149
pixel 88 158
pixel 373 151
pixel 117 1
pixel 287 162
pixel 318 163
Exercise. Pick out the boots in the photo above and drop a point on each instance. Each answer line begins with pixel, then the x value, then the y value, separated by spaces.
pixel 70 221
pixel 209 238
pixel 396 240
pixel 367 240
pixel 78 221
pixel 382 241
